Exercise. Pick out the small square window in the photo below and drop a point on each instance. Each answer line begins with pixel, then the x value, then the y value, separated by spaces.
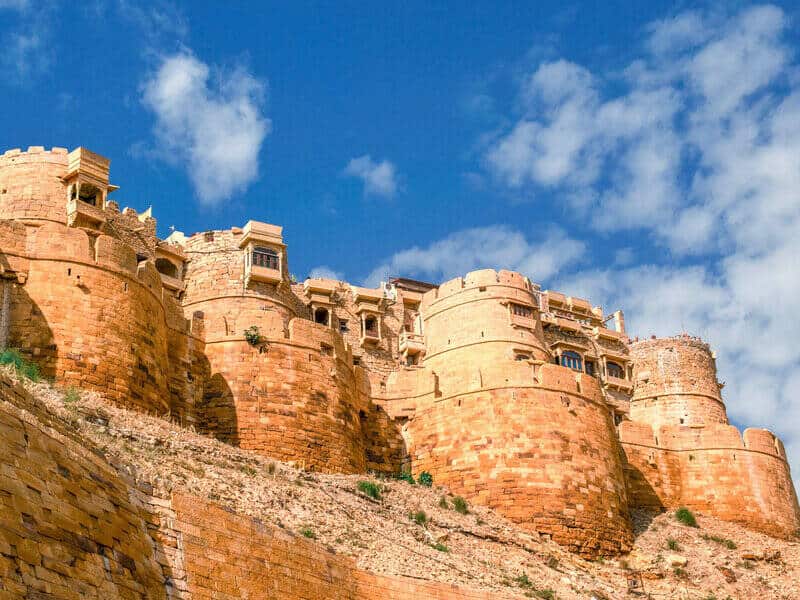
pixel 343 328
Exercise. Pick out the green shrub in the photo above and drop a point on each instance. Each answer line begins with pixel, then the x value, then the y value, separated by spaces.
pixel 679 572
pixel 370 489
pixel 460 505
pixel 425 479
pixel 252 335
pixel 308 532
pixel 419 517
pixel 441 547
pixel 523 581
pixel 407 477
pixel 685 516
pixel 673 544
pixel 23 368
pixel 443 503
pixel 729 544
pixel 545 594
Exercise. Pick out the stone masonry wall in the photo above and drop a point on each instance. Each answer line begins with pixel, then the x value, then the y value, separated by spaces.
pixel 544 456
pixel 290 398
pixel 90 316
pixel 69 526
pixel 227 556
pixel 31 186
pixel 713 470
pixel 675 383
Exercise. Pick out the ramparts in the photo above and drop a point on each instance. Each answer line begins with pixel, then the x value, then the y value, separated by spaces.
pixel 508 395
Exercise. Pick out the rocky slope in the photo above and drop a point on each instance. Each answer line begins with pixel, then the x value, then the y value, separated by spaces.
pixel 415 531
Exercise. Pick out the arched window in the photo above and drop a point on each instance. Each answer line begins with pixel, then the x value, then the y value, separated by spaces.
pixel 166 267
pixel 265 257
pixel 572 360
pixel 615 370
pixel 321 316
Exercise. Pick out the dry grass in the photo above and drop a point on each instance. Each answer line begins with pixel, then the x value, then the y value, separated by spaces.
pixel 479 549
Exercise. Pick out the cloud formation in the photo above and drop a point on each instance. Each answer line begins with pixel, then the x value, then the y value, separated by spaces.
pixel 496 246
pixel 214 131
pixel 325 272
pixel 26 51
pixel 696 145
pixel 380 178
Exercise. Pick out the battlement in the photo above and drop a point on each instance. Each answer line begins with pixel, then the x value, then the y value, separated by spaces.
pixel 477 279
pixel 709 437
pixel 34 154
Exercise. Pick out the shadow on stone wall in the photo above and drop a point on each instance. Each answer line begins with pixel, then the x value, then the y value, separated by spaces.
pixel 216 412
pixel 28 330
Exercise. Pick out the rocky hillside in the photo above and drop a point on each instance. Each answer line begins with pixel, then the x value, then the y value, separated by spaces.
pixel 394 527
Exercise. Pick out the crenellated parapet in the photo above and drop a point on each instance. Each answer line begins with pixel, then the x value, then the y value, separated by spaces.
pixel 713 469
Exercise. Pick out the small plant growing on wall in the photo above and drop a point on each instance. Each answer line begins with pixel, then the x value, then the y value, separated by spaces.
pixel 252 335
pixel 425 479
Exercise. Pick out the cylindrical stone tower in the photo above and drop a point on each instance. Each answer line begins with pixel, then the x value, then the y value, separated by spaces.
pixel 675 383
pixel 291 393
pixel 511 430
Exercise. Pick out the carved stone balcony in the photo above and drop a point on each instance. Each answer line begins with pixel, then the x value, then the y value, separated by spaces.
pixel 411 343
pixel 609 334
pixel 370 336
pixel 79 211
pixel 265 274
pixel 618 383
pixel 172 283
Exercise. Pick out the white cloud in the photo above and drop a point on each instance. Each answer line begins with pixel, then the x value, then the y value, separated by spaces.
pixel 496 246
pixel 380 178
pixel 698 149
pixel 324 272
pixel 26 51
pixel 214 127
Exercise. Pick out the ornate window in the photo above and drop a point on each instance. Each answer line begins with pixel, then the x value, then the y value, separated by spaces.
pixel 321 315
pixel 615 370
pixel 572 360
pixel 167 267
pixel 266 257
pixel 521 311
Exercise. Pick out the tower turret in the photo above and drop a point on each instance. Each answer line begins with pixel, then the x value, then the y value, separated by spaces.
pixel 675 383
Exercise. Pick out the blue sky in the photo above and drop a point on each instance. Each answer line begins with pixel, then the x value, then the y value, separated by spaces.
pixel 643 155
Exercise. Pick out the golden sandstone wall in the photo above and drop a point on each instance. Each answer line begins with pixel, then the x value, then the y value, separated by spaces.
pixel 681 451
pixel 71 527
pixel 533 440
pixel 485 410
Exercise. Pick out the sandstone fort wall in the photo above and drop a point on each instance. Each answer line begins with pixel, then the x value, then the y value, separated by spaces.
pixel 557 470
pixel 459 381
pixel 92 317
pixel 69 527
pixel 675 383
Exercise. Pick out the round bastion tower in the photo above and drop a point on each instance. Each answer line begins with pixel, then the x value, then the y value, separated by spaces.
pixel 509 429
pixel 675 383
pixel 277 383
pixel 82 304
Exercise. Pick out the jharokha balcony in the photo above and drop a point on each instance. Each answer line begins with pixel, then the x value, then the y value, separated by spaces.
pixel 411 343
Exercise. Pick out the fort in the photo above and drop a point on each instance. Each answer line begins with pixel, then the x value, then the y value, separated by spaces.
pixel 529 401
